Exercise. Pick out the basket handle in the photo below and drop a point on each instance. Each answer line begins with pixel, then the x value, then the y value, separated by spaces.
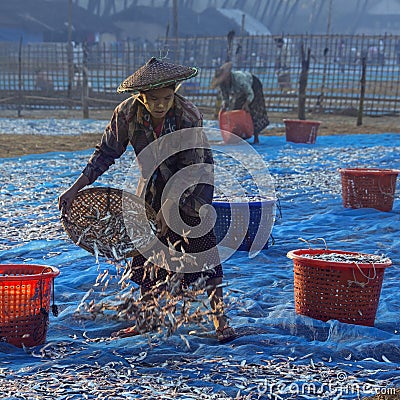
pixel 391 191
pixel 54 307
pixel 278 208
pixel 368 278
pixel 314 240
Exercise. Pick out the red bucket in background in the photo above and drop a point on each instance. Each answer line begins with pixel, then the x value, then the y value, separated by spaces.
pixel 368 188
pixel 25 294
pixel 326 289
pixel 235 125
pixel 301 131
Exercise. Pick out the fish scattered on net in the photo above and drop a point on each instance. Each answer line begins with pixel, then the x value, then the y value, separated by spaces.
pixel 209 378
pixel 29 213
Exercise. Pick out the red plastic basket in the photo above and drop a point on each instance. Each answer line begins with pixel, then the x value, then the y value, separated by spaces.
pixel 235 125
pixel 25 294
pixel 301 131
pixel 347 292
pixel 368 188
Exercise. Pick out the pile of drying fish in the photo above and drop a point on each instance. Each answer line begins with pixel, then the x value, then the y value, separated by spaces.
pixel 30 205
pixel 350 258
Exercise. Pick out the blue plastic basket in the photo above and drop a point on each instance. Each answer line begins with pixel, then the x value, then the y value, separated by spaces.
pixel 244 225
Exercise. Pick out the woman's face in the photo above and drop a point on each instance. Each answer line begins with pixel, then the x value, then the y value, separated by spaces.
pixel 158 101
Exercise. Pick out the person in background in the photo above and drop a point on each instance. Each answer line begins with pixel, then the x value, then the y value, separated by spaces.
pixel 397 50
pixel 381 52
pixel 43 81
pixel 156 110
pixel 242 90
pixel 282 64
pixel 341 55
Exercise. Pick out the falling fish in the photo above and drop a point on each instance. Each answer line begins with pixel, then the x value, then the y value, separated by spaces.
pixel 185 341
pixel 384 358
pixel 84 298
pixel 96 252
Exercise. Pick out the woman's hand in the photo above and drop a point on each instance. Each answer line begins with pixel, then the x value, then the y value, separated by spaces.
pixel 65 200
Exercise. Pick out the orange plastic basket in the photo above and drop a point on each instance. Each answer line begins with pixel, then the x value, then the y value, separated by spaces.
pixel 368 188
pixel 301 131
pixel 326 289
pixel 235 125
pixel 25 294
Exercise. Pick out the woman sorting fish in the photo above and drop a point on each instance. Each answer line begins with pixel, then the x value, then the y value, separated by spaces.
pixel 242 90
pixel 153 112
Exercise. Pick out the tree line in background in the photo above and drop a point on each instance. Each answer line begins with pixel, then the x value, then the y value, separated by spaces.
pixel 288 16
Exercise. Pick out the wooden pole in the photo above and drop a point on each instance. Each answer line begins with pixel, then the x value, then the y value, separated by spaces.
pixel 175 29
pixel 175 18
pixel 328 28
pixel 362 92
pixel 320 100
pixel 305 66
pixel 218 101
pixel 164 51
pixel 240 45
pixel 70 59
pixel 20 77
pixel 85 82
pixel 230 37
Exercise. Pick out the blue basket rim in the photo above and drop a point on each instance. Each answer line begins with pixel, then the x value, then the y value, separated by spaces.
pixel 263 200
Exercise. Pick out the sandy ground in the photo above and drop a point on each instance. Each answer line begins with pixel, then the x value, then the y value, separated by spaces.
pixel 12 146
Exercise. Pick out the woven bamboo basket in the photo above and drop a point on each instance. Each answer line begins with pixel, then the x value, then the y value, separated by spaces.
pixel 109 222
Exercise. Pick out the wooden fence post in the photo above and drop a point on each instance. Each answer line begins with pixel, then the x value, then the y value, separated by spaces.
pixel 320 99
pixel 85 83
pixel 20 95
pixel 305 65
pixel 362 92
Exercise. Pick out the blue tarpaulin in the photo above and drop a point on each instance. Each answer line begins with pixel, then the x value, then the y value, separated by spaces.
pixel 273 340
